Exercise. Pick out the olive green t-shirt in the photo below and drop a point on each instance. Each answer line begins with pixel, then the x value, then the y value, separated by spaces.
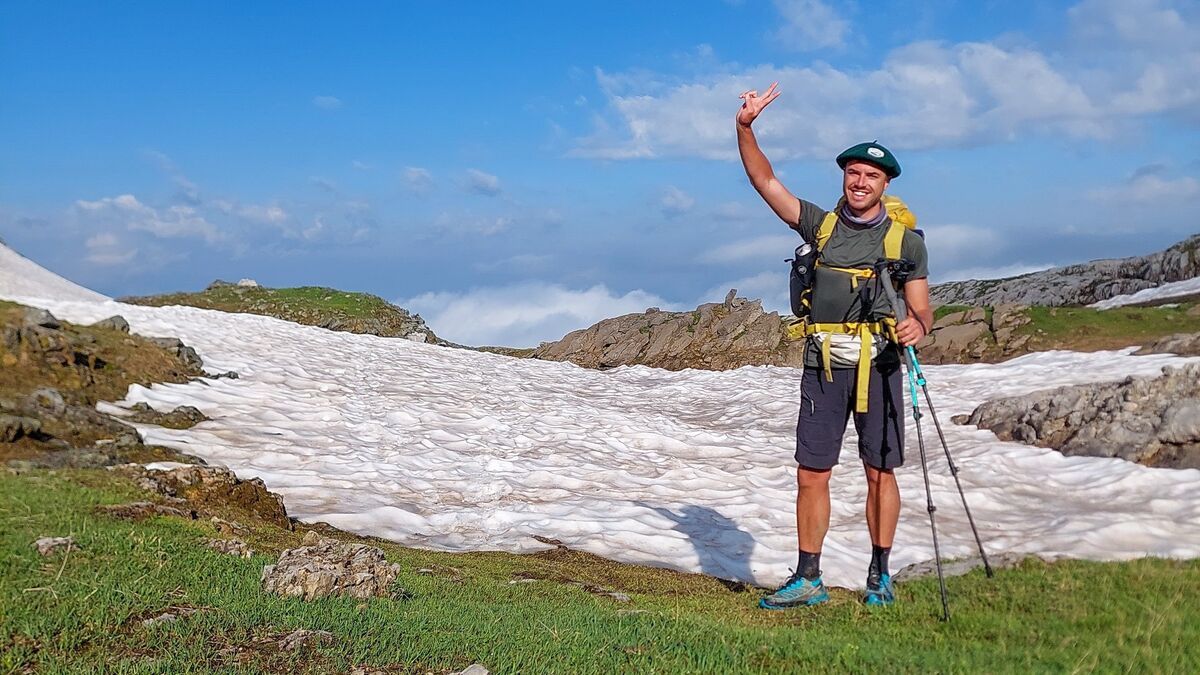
pixel 834 297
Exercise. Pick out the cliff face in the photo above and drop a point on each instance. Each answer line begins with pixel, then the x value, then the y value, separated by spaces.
pixel 716 336
pixel 1080 284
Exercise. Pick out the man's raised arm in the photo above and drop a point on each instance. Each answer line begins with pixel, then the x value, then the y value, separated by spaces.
pixel 758 168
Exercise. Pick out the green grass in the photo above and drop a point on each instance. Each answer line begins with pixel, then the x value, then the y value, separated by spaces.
pixel 82 612
pixel 309 305
pixel 304 298
pixel 1100 329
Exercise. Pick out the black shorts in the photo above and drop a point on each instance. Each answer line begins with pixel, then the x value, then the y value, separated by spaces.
pixel 825 409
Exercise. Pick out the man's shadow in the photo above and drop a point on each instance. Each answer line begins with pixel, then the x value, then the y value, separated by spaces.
pixel 723 549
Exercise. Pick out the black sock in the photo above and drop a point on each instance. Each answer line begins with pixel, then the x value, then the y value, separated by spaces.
pixel 809 566
pixel 879 560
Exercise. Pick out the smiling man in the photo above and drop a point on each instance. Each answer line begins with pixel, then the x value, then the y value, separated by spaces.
pixel 852 362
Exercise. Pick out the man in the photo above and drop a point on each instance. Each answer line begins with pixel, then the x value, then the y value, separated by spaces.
pixel 828 390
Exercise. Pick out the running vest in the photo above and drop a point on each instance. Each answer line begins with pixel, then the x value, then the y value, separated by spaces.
pixel 804 327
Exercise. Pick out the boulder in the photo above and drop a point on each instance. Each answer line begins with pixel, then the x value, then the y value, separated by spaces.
pixel 1183 344
pixel 35 317
pixel 184 352
pixel 1152 421
pixel 324 567
pixel 117 323
pixel 182 417
pixel 210 488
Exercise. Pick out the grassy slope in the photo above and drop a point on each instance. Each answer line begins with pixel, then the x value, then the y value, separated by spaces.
pixel 1085 329
pixel 309 305
pixel 82 612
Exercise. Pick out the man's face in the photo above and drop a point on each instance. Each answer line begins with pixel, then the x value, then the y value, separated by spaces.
pixel 863 185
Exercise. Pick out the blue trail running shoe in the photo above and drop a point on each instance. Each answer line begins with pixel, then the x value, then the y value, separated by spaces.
pixel 879 591
pixel 796 592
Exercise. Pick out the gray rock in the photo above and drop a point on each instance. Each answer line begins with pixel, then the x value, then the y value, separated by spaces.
pixel 473 669
pixel 1183 344
pixel 1078 284
pixel 184 352
pixel 13 427
pixel 233 547
pixel 170 616
pixel 1153 421
pixel 35 317
pixel 303 637
pixel 117 323
pixel 50 545
pixel 323 567
pixel 48 400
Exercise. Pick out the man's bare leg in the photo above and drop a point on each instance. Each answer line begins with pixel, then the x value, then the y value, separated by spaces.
pixel 812 517
pixel 883 505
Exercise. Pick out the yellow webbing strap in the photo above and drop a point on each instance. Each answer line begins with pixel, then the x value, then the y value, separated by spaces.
pixel 825 231
pixel 864 330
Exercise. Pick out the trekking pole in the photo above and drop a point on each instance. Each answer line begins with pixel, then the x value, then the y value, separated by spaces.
pixel 885 276
pixel 920 379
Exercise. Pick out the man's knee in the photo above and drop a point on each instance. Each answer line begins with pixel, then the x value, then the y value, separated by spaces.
pixel 877 477
pixel 812 478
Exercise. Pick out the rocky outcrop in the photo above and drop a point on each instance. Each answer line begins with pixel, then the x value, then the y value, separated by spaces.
pixel 212 489
pixel 323 567
pixel 1153 421
pixel 53 373
pixel 182 417
pixel 977 334
pixel 716 336
pixel 1080 284
pixel 1183 344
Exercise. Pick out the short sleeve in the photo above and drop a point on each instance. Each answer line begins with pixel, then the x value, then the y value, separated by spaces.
pixel 913 248
pixel 811 216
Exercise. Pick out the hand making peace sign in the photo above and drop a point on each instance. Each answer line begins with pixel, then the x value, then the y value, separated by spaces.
pixel 752 104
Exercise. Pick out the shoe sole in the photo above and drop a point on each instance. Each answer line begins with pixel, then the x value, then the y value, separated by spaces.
pixel 819 600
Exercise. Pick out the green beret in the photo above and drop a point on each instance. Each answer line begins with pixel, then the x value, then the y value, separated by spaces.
pixel 873 153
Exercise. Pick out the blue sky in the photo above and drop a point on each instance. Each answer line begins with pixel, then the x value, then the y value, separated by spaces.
pixel 517 170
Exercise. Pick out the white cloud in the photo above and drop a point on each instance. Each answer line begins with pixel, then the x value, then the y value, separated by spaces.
pixel 948 242
pixel 466 224
pixel 106 250
pixel 263 214
pixel 764 248
pixel 327 102
pixel 922 95
pixel 482 183
pixel 1149 188
pixel 417 180
pixel 173 221
pixel 732 211
pixel 675 202
pixel 809 25
pixel 524 315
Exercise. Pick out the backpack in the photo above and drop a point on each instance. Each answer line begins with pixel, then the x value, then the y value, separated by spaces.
pixel 803 264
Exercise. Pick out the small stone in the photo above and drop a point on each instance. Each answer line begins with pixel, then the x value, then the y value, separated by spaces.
pixel 234 547
pixel 50 545
pixel 473 669
pixel 302 637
